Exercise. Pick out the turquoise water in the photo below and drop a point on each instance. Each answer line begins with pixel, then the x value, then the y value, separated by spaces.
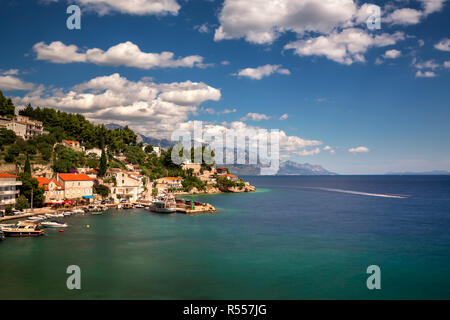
pixel 293 239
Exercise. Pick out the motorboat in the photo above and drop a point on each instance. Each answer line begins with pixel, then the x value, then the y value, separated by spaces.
pixel 24 229
pixel 54 224
pixel 163 205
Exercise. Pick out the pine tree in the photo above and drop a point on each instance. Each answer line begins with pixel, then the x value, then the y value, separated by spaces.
pixel 27 167
pixel 103 164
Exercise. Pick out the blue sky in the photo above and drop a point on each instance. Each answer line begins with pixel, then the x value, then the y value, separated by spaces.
pixel 383 94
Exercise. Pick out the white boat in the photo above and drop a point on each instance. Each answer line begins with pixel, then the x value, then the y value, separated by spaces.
pixel 78 211
pixel 54 224
pixel 36 218
pixel 7 225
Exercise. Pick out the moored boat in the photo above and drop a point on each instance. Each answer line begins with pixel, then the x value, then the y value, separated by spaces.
pixel 163 206
pixel 54 224
pixel 24 229
pixel 2 236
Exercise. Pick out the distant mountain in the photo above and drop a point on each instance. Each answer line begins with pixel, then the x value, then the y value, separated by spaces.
pixel 164 143
pixel 287 168
pixel 425 173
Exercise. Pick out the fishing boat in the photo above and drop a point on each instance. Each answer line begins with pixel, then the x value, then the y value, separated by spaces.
pixel 163 205
pixel 24 229
pixel 54 224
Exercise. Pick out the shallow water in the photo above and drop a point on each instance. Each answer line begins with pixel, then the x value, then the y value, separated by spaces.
pixel 292 239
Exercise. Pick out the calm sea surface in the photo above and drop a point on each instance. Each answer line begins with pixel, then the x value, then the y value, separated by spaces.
pixel 295 238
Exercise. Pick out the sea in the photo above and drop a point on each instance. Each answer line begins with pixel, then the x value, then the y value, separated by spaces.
pixel 296 237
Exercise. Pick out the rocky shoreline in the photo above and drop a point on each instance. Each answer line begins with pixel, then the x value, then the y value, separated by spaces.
pixel 221 189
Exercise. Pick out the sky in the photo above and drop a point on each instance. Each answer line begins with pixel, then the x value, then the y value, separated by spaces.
pixel 346 95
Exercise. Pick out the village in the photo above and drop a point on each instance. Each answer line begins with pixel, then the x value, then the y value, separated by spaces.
pixel 122 187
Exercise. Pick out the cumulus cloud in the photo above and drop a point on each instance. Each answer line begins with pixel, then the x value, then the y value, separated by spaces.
pixel 149 107
pixel 443 45
pixel 346 47
pixel 284 116
pixel 9 83
pixel 392 54
pixel 123 54
pixel 262 22
pixel 10 72
pixel 425 74
pixel 289 146
pixel 408 16
pixel 255 117
pixel 358 150
pixel 135 7
pixel 447 64
pixel 262 71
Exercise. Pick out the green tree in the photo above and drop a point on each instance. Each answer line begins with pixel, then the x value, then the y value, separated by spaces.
pixel 30 188
pixel 8 210
pixel 7 108
pixel 27 167
pixel 103 164
pixel 148 149
pixel 101 190
pixel 22 203
pixel 7 137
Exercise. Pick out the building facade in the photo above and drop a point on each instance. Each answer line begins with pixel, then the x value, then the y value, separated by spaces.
pixel 53 190
pixel 76 185
pixel 23 127
pixel 128 185
pixel 8 189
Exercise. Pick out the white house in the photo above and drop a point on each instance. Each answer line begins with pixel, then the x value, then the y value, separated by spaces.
pixel 76 185
pixel 8 189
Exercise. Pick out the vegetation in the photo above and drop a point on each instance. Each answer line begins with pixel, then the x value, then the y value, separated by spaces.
pixel 101 190
pixel 8 209
pixel 30 189
pixel 7 108
pixel 22 203
pixel 190 182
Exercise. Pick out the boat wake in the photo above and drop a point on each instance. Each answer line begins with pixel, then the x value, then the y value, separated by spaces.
pixel 361 193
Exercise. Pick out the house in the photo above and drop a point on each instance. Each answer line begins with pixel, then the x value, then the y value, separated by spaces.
pixel 53 190
pixel 23 127
pixel 74 145
pixel 169 183
pixel 76 185
pixel 222 170
pixel 96 151
pixel 126 184
pixel 132 167
pixel 8 189
pixel 228 176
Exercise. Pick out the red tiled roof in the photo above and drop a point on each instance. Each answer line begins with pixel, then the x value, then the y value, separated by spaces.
pixel 228 175
pixel 172 178
pixel 71 142
pixel 42 181
pixel 75 177
pixel 7 175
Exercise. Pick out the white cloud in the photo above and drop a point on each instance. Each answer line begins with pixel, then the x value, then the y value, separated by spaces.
pixel 255 116
pixel 358 150
pixel 345 47
pixel 134 7
pixel 290 146
pixel 10 72
pixel 330 149
pixel 408 16
pixel 392 54
pixel 225 62
pixel 284 116
pixel 443 45
pixel 429 64
pixel 262 71
pixel 227 111
pixel 150 108
pixel 263 21
pixel 9 83
pixel 425 74
pixel 447 64
pixel 431 6
pixel 202 28
pixel 405 16
pixel 123 54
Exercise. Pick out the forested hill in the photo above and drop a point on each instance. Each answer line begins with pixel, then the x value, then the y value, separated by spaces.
pixel 63 125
